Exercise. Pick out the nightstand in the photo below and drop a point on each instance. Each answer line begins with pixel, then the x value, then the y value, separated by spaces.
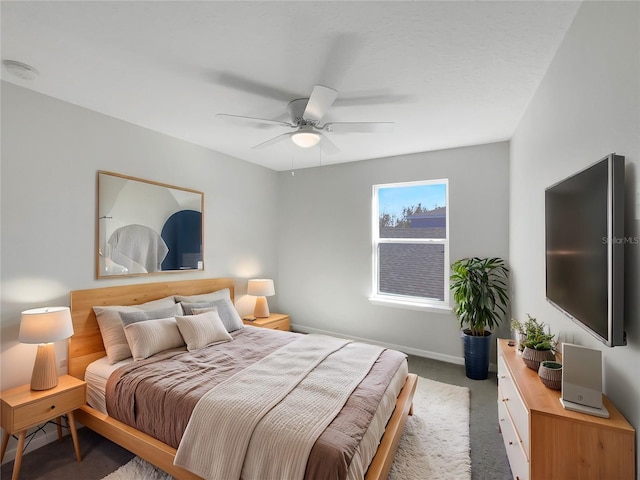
pixel 275 321
pixel 23 408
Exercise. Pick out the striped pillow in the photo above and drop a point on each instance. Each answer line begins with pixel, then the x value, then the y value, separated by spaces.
pixel 111 328
pixel 152 336
pixel 203 329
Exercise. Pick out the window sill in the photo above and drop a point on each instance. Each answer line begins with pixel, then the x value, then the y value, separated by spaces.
pixel 388 302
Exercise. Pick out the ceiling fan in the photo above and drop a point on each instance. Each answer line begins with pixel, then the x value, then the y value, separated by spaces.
pixel 306 114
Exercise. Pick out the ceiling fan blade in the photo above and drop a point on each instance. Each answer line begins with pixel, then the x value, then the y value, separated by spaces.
pixel 359 127
pixel 272 141
pixel 341 53
pixel 319 102
pixel 254 87
pixel 242 119
pixel 373 98
pixel 328 146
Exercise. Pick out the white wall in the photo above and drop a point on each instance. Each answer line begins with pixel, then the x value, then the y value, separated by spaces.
pixel 51 151
pixel 586 107
pixel 324 259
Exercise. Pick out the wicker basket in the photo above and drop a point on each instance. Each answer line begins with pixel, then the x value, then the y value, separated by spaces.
pixel 533 357
pixel 551 374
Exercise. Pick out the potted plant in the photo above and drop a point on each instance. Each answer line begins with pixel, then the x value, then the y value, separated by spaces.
pixel 520 333
pixel 550 373
pixel 479 287
pixel 538 344
pixel 525 329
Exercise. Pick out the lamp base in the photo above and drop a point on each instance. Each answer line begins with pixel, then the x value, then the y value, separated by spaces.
pixel 262 308
pixel 45 373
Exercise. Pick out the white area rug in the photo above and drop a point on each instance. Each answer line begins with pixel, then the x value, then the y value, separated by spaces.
pixel 434 444
pixel 435 441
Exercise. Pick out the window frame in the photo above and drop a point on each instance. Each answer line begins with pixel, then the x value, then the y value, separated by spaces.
pixel 402 301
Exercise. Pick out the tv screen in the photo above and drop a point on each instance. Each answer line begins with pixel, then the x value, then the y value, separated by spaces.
pixel 584 232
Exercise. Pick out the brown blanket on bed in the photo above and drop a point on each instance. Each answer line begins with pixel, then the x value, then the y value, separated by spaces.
pixel 157 395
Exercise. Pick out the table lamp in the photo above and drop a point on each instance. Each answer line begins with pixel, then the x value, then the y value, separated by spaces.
pixel 261 288
pixel 45 326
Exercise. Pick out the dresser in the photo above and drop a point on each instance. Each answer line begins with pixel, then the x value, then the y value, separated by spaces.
pixel 546 442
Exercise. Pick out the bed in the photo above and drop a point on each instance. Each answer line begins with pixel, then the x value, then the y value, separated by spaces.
pixel 86 347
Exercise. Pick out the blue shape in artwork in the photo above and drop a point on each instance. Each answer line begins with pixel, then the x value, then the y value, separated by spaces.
pixel 182 232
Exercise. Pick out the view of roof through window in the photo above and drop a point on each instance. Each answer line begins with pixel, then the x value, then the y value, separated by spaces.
pixel 412 240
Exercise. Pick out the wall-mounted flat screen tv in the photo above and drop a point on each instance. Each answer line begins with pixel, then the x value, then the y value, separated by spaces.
pixel 585 239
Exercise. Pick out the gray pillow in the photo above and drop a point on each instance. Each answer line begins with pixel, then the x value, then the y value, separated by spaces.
pixel 228 313
pixel 142 315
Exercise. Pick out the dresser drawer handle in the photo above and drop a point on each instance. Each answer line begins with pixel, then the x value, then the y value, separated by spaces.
pixel 505 399
pixel 510 443
pixel 53 407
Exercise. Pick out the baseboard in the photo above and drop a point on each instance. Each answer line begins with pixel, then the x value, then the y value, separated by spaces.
pixel 402 348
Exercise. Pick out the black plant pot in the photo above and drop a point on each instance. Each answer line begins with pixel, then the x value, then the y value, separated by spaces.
pixel 476 354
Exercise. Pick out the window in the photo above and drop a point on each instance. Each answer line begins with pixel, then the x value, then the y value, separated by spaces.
pixel 411 243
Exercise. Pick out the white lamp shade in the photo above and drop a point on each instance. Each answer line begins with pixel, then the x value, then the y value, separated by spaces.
pixel 43 325
pixel 261 287
pixel 305 139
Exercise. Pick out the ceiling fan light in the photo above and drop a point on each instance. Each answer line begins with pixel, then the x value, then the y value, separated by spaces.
pixel 305 139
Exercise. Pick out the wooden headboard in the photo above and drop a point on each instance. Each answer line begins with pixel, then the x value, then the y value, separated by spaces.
pixel 86 345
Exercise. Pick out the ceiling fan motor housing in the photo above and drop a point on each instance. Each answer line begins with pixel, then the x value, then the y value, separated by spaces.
pixel 296 111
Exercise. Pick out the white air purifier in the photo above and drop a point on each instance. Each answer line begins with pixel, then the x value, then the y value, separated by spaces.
pixel 582 380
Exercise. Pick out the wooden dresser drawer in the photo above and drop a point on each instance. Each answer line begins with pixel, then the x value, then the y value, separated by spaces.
pixel 39 411
pixel 508 396
pixel 512 444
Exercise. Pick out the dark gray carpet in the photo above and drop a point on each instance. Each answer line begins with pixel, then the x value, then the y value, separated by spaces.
pixel 56 461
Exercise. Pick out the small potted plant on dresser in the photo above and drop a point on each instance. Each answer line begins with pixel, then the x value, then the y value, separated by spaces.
pixel 550 372
pixel 538 344
pixel 522 330
pixel 479 287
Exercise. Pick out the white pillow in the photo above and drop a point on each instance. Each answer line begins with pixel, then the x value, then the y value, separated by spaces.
pixel 204 297
pixel 201 330
pixel 152 336
pixel 115 342
pixel 142 315
pixel 228 313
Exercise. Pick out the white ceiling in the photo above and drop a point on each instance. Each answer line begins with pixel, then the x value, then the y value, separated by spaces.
pixel 448 73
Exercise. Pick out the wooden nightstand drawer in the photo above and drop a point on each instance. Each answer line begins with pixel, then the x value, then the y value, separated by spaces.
pixel 23 408
pixel 44 409
pixel 280 325
pixel 275 321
